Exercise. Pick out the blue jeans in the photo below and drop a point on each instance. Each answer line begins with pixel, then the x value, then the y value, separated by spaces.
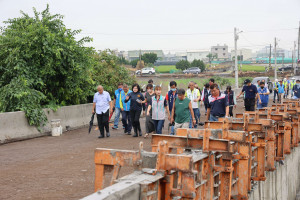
pixel 196 116
pixel 158 124
pixel 213 118
pixel 126 120
pixel 172 130
pixel 262 105
pixel 117 117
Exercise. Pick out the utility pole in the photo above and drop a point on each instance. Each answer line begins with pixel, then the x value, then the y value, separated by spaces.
pixel 236 37
pixel 241 59
pixel 293 58
pixel 275 65
pixel 298 47
pixel 270 57
pixel 282 61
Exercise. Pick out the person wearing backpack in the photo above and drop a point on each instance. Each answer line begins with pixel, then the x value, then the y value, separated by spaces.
pixel 205 94
pixel 158 106
pixel 231 99
pixel 171 97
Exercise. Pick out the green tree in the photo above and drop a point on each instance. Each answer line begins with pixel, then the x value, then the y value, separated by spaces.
pixel 211 57
pixel 198 63
pixel 182 64
pixel 134 63
pixel 43 65
pixel 123 61
pixel 149 58
pixel 108 73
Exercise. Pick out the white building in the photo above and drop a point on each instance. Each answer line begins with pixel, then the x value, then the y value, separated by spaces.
pixel 246 53
pixel 197 55
pixel 221 51
pixel 181 55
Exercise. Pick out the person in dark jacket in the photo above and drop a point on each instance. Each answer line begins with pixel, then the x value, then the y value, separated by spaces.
pixel 204 96
pixel 231 99
pixel 171 96
pixel 250 91
pixel 136 106
pixel 149 124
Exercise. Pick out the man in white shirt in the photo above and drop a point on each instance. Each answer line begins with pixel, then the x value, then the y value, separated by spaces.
pixel 194 95
pixel 102 102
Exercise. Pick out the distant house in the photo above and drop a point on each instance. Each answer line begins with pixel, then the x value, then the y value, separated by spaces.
pixel 135 54
pixel 220 51
pixel 197 55
pixel 246 54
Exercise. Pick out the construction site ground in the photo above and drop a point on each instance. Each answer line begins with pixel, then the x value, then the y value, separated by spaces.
pixel 63 167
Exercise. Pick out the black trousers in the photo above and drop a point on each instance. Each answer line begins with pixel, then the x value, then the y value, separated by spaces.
pixel 126 120
pixel 103 122
pixel 250 104
pixel 230 111
pixel 276 93
pixel 135 119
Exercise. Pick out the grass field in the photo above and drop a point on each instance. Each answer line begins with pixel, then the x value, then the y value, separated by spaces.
pixel 165 68
pixel 255 68
pixel 183 82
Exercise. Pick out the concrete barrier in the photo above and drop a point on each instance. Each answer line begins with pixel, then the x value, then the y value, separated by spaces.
pixel 14 125
pixel 283 183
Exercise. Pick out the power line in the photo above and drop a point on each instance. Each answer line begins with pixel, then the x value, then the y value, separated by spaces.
pixel 181 34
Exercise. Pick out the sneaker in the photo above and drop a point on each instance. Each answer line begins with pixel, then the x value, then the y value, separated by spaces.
pixel 107 134
pixel 114 128
pixel 129 133
pixel 101 136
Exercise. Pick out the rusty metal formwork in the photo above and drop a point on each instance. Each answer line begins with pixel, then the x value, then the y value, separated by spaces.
pixel 223 161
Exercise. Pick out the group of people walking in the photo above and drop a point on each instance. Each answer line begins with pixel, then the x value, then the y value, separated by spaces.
pixel 181 107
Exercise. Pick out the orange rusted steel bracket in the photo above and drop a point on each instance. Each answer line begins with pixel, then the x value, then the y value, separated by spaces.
pixel 232 135
pixel 226 170
pixel 260 170
pixel 204 143
pixel 119 158
pixel 271 138
pixel 242 172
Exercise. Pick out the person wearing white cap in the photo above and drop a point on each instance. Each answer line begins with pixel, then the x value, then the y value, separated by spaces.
pixel 275 86
pixel 292 84
pixel 286 84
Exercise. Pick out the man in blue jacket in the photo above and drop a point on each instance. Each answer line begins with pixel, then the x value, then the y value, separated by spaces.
pixel 117 102
pixel 125 110
pixel 264 95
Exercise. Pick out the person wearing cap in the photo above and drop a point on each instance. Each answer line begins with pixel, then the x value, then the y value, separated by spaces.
pixel 275 86
pixel 281 91
pixel 296 90
pixel 286 84
pixel 292 84
pixel 264 95
pixel 250 91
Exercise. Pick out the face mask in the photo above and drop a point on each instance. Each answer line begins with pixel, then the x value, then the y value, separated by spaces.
pixel 173 89
pixel 120 89
pixel 149 91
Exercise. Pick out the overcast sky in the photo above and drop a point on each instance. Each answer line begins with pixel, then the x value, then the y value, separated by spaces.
pixel 172 25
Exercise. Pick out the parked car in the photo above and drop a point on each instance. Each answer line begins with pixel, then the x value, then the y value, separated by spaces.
pixel 146 70
pixel 192 70
pixel 285 68
pixel 267 81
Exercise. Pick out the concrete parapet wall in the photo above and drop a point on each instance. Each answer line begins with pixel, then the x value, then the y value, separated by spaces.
pixel 283 183
pixel 14 125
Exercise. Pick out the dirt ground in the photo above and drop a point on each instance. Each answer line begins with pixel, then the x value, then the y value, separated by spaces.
pixel 62 167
